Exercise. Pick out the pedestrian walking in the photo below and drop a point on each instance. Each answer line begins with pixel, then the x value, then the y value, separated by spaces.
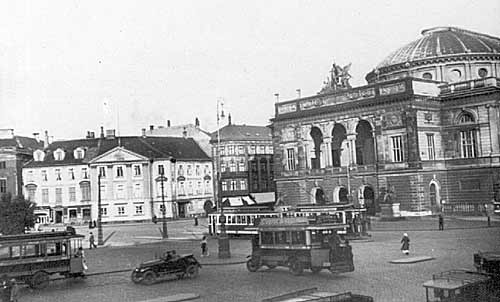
pixel 405 247
pixel 92 241
pixel 14 289
pixel 195 220
pixel 441 222
pixel 204 247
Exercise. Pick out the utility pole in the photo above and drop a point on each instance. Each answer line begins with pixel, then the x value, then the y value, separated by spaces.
pixel 164 232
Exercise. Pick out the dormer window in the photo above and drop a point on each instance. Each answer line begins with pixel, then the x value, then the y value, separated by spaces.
pixel 59 154
pixel 38 155
pixel 79 153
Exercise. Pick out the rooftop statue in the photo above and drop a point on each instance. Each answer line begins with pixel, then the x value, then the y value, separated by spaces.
pixel 338 79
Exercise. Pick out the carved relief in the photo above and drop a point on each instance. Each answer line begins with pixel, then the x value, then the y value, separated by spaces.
pixel 392 119
pixel 288 134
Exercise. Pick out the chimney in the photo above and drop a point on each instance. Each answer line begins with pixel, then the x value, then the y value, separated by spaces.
pixel 36 135
pixel 102 132
pixel 184 133
pixel 229 119
pixel 46 142
pixel 90 135
pixel 298 93
pixel 110 133
pixel 197 123
pixel 143 130
pixel 151 127
pixel 168 123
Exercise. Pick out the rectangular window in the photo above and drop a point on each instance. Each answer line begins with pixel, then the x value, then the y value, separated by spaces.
pixel 468 143
pixel 180 170
pixel 102 172
pixel 120 191
pixel 119 172
pixel 206 171
pixel 290 159
pixel 85 188
pixel 241 150
pixel 241 166
pixel 223 186
pixel 30 175
pixel 230 150
pixel 85 174
pixel 198 170
pixel 262 149
pixel 199 188
pixel 208 187
pixel 31 193
pixel 189 170
pixel 190 188
pixel 45 195
pixel 71 173
pixel 121 210
pixel 3 165
pixel 104 211
pixel 137 170
pixel 222 150
pixel 233 185
pixel 58 174
pixel 72 194
pixel 431 150
pixel 182 189
pixel 232 167
pixel 243 185
pixel 138 210
pixel 138 190
pixel 161 170
pixel 252 149
pixel 103 191
pixel 44 175
pixel 3 185
pixel 397 148
pixel 58 195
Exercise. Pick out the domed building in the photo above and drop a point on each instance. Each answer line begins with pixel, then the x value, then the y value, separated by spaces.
pixel 421 137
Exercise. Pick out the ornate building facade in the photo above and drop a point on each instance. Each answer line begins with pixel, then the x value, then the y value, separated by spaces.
pixel 422 135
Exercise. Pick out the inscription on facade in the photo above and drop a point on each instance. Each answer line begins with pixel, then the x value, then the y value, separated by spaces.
pixel 287 108
pixel 392 88
pixel 337 99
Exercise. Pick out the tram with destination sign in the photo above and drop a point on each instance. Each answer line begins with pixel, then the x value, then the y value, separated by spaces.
pixel 300 243
pixel 33 257
pixel 238 219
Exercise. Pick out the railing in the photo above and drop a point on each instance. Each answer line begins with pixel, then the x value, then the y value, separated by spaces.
pixel 464 208
pixel 486 82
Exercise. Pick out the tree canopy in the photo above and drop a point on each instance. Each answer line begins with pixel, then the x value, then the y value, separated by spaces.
pixel 16 214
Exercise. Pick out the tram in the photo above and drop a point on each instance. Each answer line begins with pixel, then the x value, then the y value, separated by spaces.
pixel 239 220
pixel 31 258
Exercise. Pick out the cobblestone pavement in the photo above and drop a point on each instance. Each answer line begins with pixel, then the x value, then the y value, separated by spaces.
pixel 374 275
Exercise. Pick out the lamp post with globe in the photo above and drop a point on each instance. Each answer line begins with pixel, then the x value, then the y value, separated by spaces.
pixel 223 239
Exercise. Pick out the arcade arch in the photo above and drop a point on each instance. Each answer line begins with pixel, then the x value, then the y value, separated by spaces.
pixel 317 137
pixel 339 136
pixel 365 152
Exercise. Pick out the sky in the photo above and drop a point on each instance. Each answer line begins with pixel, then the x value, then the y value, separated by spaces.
pixel 71 66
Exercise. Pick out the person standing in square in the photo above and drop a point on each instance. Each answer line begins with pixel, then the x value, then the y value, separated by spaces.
pixel 405 247
pixel 92 241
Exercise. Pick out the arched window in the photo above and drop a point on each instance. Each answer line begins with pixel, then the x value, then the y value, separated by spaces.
pixel 467 135
pixel 338 137
pixel 317 137
pixel 59 154
pixel 38 155
pixel 365 153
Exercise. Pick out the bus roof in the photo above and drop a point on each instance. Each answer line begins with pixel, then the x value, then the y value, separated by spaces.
pixel 38 236
pixel 298 223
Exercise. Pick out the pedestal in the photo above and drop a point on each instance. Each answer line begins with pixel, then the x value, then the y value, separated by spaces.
pixel 224 249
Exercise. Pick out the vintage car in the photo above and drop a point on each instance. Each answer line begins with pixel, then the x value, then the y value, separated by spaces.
pixel 169 264
pixel 300 243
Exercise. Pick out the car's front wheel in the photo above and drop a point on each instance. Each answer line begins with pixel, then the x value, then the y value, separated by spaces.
pixel 192 271
pixel 136 277
pixel 149 277
pixel 253 265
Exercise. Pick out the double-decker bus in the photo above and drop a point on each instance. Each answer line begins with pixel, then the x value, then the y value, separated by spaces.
pixel 33 257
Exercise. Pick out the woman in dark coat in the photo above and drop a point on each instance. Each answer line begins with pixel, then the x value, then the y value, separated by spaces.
pixel 405 247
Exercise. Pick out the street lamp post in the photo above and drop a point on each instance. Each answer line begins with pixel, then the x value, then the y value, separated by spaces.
pixel 100 239
pixel 164 233
pixel 223 239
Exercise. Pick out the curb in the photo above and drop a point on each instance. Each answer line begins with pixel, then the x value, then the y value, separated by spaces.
pixel 411 260
pixel 174 298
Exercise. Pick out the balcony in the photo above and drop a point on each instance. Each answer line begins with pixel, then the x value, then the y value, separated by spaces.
pixel 469 85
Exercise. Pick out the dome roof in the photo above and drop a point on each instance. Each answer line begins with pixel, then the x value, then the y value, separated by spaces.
pixel 443 41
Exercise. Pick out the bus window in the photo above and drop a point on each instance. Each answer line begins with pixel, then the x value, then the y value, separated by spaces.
pixel 280 238
pixel 299 237
pixel 15 251
pixel 267 237
pixel 238 219
pixel 316 237
pixel 233 219
pixel 31 250
pixel 249 221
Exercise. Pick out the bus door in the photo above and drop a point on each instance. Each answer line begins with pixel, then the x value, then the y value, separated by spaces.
pixel 76 258
pixel 320 253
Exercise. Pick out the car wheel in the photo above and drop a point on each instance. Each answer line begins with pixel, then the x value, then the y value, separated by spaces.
pixel 316 269
pixel 296 267
pixel 136 277
pixel 253 265
pixel 149 277
pixel 39 280
pixel 192 271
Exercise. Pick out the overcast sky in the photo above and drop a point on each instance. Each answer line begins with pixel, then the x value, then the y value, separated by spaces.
pixel 153 61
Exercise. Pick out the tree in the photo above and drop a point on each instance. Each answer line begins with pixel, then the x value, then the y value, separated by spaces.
pixel 16 214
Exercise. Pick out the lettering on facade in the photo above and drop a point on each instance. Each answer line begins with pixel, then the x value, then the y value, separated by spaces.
pixel 284 221
pixel 392 88
pixel 340 98
pixel 287 108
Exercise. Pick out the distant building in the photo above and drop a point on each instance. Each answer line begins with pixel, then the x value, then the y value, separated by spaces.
pixel 246 164
pixel 15 151
pixel 421 137
pixel 193 131
pixel 63 178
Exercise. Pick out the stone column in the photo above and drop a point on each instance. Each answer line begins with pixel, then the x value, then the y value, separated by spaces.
pixel 328 149
pixel 351 139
